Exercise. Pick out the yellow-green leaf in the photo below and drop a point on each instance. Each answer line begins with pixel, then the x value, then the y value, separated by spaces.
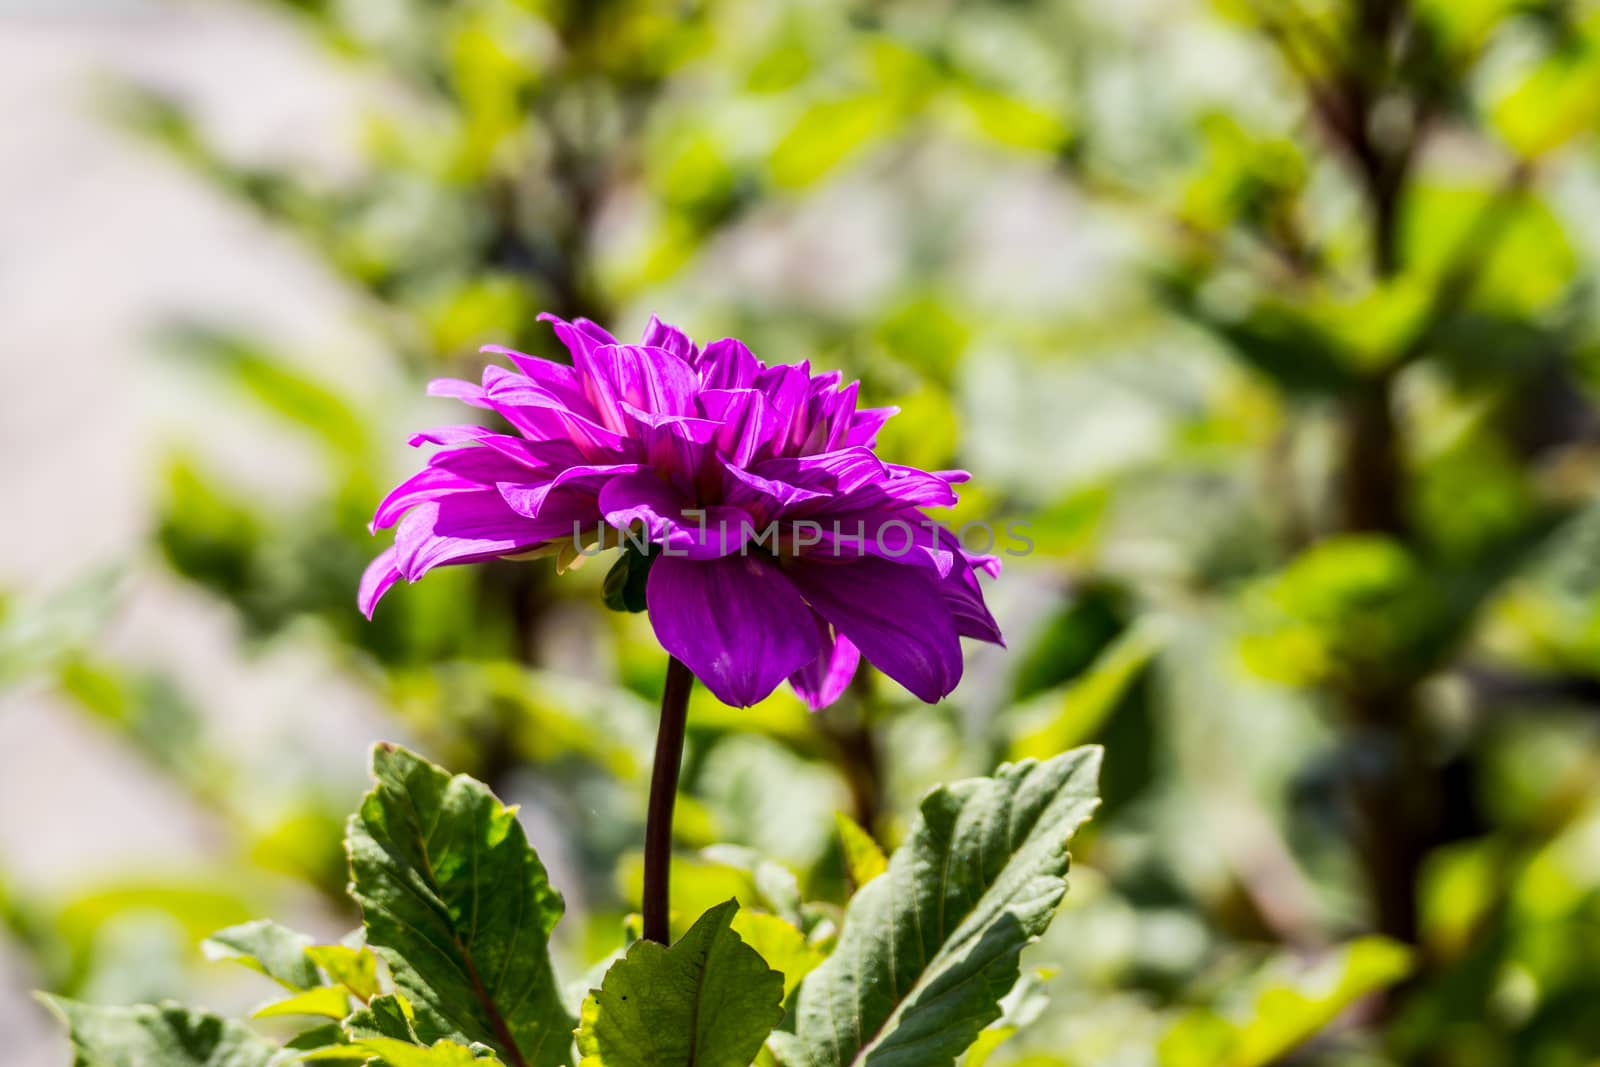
pixel 863 859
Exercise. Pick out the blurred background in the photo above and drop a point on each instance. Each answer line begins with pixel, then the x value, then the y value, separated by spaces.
pixel 1274 318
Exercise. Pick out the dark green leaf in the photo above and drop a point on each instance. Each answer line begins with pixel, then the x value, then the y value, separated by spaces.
pixel 460 908
pixel 708 1001
pixel 625 581
pixel 930 948
pixel 385 1016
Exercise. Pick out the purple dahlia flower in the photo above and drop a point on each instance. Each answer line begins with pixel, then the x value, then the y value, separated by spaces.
pixel 781 545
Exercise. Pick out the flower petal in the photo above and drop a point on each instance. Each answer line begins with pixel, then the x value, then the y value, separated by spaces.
pixel 900 536
pixel 380 574
pixel 865 424
pixel 825 679
pixel 698 533
pixel 529 499
pixel 841 472
pixel 456 389
pixel 965 600
pixel 449 435
pixel 893 613
pixel 772 496
pixel 659 334
pixel 746 421
pixel 467 527
pixel 728 364
pixel 736 622
pixel 651 379
pixel 429 483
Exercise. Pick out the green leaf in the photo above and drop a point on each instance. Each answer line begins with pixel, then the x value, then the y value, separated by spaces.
pixel 322 1037
pixel 827 133
pixel 460 908
pixel 271 381
pixel 1021 1007
pixel 354 968
pixel 402 1054
pixel 708 1001
pixel 146 1035
pixel 1557 102
pixel 1012 120
pixel 862 856
pixel 276 951
pixel 1286 1011
pixel 928 951
pixel 1279 340
pixel 328 1001
pixel 780 943
pixel 1075 712
pixel 389 1015
pixel 624 585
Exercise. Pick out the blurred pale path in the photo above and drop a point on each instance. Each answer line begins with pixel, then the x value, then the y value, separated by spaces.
pixel 100 240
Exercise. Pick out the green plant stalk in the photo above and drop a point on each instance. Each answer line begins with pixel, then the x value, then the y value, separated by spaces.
pixel 663 797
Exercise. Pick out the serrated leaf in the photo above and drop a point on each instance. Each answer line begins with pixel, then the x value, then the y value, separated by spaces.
pixel 325 1036
pixel 354 968
pixel 708 1001
pixel 275 950
pixel 389 1015
pixel 863 859
pixel 164 1034
pixel 461 910
pixel 929 949
pixel 780 943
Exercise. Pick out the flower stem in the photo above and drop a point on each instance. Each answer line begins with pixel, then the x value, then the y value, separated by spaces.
pixel 663 795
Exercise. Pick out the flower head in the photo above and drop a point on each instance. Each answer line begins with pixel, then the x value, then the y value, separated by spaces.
pixel 781 546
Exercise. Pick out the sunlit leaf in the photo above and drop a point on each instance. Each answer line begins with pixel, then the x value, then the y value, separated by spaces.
pixel 354 968
pixel 393 1053
pixel 330 1002
pixel 863 859
pixel 708 1001
pixel 460 908
pixel 275 950
pixel 780 943
pixel 827 133
pixel 1286 1012
pixel 1073 713
pixel 928 950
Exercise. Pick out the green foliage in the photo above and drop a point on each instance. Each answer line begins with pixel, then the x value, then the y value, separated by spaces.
pixel 276 951
pixel 1274 320
pixel 1074 713
pixel 167 1035
pixel 708 1000
pixel 625 581
pixel 928 950
pixel 1286 1012
pixel 863 859
pixel 460 908
pixel 356 969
